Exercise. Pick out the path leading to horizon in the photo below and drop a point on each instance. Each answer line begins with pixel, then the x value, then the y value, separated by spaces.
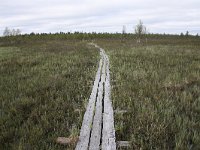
pixel 97 131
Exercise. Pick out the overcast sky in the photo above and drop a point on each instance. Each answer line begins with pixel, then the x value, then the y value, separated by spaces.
pixel 159 16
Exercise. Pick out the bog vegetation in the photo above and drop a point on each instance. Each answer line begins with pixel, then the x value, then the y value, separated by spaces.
pixel 44 88
pixel 158 85
pixel 46 79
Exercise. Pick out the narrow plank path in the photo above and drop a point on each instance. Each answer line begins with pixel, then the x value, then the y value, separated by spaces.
pixel 97 131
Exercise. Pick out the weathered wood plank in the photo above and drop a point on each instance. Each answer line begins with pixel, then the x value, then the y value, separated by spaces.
pixel 92 135
pixel 108 139
pixel 66 141
pixel 95 139
pixel 120 111
pixel 121 144
pixel 84 137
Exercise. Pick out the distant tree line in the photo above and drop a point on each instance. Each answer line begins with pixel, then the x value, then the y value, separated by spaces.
pixel 140 35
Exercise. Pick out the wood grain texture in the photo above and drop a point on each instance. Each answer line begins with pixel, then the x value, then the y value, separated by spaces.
pixel 95 139
pixel 108 139
pixel 97 131
pixel 84 137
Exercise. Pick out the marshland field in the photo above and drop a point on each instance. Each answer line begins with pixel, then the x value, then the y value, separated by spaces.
pixel 46 80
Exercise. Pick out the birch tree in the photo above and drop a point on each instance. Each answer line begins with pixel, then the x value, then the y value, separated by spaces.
pixel 140 31
pixel 6 32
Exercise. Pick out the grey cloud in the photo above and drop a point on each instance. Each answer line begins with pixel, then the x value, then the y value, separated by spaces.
pixel 170 16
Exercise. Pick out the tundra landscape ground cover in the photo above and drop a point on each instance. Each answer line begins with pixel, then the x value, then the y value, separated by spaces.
pixel 159 87
pixel 44 87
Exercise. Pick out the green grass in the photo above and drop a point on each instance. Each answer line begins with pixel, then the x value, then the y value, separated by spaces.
pixel 6 52
pixel 42 85
pixel 159 85
pixel 45 84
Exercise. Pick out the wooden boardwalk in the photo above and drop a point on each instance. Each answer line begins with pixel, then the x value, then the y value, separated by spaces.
pixel 97 131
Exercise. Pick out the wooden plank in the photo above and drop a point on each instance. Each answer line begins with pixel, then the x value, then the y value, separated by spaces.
pixel 121 144
pixel 66 141
pixel 95 139
pixel 84 137
pixel 120 111
pixel 108 139
pixel 92 134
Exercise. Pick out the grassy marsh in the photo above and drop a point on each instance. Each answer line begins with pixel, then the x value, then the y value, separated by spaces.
pixel 42 85
pixel 159 85
pixel 46 80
